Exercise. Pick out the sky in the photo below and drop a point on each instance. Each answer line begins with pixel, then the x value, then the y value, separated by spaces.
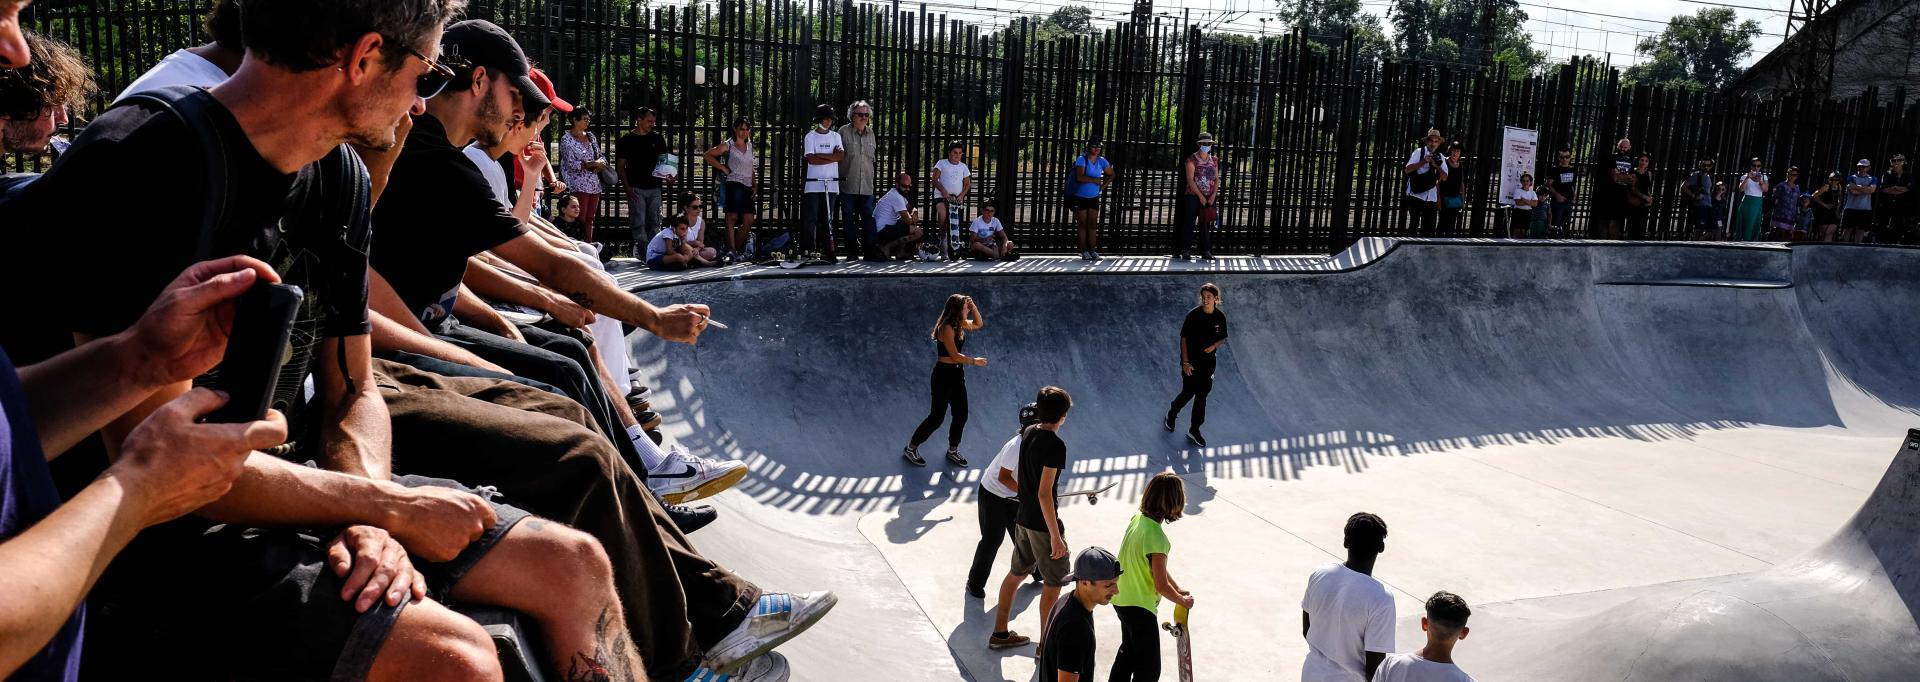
pixel 1606 29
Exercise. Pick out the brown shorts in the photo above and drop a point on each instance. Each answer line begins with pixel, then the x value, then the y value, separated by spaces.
pixel 1033 549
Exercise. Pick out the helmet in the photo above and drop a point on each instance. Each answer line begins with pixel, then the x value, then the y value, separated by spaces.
pixel 1029 415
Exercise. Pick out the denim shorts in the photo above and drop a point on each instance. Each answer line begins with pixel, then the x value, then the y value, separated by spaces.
pixel 739 199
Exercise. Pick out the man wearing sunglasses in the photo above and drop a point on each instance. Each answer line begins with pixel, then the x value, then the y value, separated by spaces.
pixel 437 211
pixel 856 177
pixel 275 602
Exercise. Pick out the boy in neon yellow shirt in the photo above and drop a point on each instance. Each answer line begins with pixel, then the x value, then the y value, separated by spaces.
pixel 1145 579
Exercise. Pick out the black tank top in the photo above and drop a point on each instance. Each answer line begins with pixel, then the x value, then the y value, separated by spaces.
pixel 940 353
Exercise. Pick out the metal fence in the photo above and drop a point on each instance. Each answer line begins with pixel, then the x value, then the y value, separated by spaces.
pixel 1311 139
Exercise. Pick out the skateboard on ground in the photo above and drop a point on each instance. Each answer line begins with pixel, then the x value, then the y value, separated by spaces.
pixel 1093 495
pixel 1183 640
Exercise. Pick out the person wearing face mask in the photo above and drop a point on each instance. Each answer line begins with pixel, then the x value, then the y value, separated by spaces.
pixel 1200 190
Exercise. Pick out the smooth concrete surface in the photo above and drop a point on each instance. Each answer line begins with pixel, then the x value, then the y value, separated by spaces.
pixel 1613 450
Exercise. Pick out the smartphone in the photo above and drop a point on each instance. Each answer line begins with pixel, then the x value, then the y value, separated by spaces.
pixel 256 350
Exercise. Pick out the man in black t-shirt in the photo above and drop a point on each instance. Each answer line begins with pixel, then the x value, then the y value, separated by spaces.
pixel 1560 186
pixel 1201 336
pixel 635 155
pixel 1613 183
pixel 1067 648
pixel 1039 540
pixel 271 600
pixel 1895 210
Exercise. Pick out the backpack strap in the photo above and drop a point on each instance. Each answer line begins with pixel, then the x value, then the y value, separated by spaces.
pixel 193 107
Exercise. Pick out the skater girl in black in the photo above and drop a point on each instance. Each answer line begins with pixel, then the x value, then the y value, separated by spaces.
pixel 949 377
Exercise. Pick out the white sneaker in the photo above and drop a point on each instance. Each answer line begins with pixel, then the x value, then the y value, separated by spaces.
pixel 776 618
pixel 683 478
pixel 769 668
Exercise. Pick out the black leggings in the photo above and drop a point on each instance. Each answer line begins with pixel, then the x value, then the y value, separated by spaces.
pixel 949 390
pixel 1194 387
pixel 1139 656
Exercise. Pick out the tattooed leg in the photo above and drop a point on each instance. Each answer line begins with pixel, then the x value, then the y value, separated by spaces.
pixel 560 577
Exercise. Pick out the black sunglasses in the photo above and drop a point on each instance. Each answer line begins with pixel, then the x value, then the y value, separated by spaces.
pixel 436 78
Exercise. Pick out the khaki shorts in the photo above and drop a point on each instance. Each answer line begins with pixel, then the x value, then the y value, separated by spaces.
pixel 1033 549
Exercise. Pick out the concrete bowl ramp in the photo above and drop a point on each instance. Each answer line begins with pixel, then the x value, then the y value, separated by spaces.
pixel 1637 461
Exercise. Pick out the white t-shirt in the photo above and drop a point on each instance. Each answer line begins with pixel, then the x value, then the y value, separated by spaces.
pixel 886 212
pixel 1350 614
pixel 1413 668
pixel 823 177
pixel 985 230
pixel 1009 459
pixel 1432 193
pixel 952 175
pixel 496 176
pixel 1527 194
pixel 660 244
pixel 180 68
pixel 1750 188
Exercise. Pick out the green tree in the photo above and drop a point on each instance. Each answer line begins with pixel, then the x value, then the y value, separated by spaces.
pixel 1066 22
pixel 1326 23
pixel 1448 31
pixel 1699 52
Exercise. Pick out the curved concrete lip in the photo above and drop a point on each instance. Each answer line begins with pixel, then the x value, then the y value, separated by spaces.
pixel 1565 433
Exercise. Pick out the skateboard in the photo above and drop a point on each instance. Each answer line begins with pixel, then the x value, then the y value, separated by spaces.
pixel 1093 495
pixel 1183 640
pixel 954 248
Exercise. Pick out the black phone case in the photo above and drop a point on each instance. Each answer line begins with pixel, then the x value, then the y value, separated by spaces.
pixel 256 350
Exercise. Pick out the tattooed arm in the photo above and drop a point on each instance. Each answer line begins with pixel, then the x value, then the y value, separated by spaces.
pixel 594 291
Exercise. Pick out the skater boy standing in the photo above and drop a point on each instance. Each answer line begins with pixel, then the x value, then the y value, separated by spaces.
pixel 1038 540
pixel 1200 336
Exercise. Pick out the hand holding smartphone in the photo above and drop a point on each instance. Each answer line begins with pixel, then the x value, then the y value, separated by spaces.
pixel 256 350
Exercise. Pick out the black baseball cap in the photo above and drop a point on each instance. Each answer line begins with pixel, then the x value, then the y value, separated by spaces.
pixel 478 42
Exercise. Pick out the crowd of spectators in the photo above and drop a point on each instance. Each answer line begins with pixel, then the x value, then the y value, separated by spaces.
pixel 455 426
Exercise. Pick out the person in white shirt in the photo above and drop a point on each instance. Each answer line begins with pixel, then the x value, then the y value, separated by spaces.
pixel 204 66
pixel 952 181
pixel 1425 170
pixel 999 502
pixel 1347 615
pixel 986 238
pixel 669 249
pixel 1445 624
pixel 1524 201
pixel 691 206
pixel 824 149
pixel 896 226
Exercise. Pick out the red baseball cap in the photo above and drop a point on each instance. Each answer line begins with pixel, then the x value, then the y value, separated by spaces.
pixel 546 88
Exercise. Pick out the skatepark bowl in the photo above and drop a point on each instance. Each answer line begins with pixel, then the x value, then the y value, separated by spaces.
pixel 1636 461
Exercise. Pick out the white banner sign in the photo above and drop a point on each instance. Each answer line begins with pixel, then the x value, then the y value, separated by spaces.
pixel 1517 154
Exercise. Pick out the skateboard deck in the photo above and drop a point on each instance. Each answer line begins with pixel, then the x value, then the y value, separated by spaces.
pixel 1093 495
pixel 1183 641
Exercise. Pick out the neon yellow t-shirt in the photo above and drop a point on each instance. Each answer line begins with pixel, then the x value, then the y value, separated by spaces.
pixel 1144 537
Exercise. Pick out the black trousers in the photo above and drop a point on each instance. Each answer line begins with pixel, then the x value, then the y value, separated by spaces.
pixel 1194 387
pixel 816 212
pixel 949 391
pixel 1139 657
pixel 1187 220
pixel 996 521
pixel 1421 215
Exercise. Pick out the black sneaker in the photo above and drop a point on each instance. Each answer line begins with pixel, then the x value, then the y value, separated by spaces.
pixel 1194 435
pixel 689 519
pixel 913 455
pixel 976 592
pixel 1206 255
pixel 953 455
pixel 1169 424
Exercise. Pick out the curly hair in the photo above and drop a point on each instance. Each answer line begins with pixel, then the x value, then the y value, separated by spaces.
pixel 58 76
